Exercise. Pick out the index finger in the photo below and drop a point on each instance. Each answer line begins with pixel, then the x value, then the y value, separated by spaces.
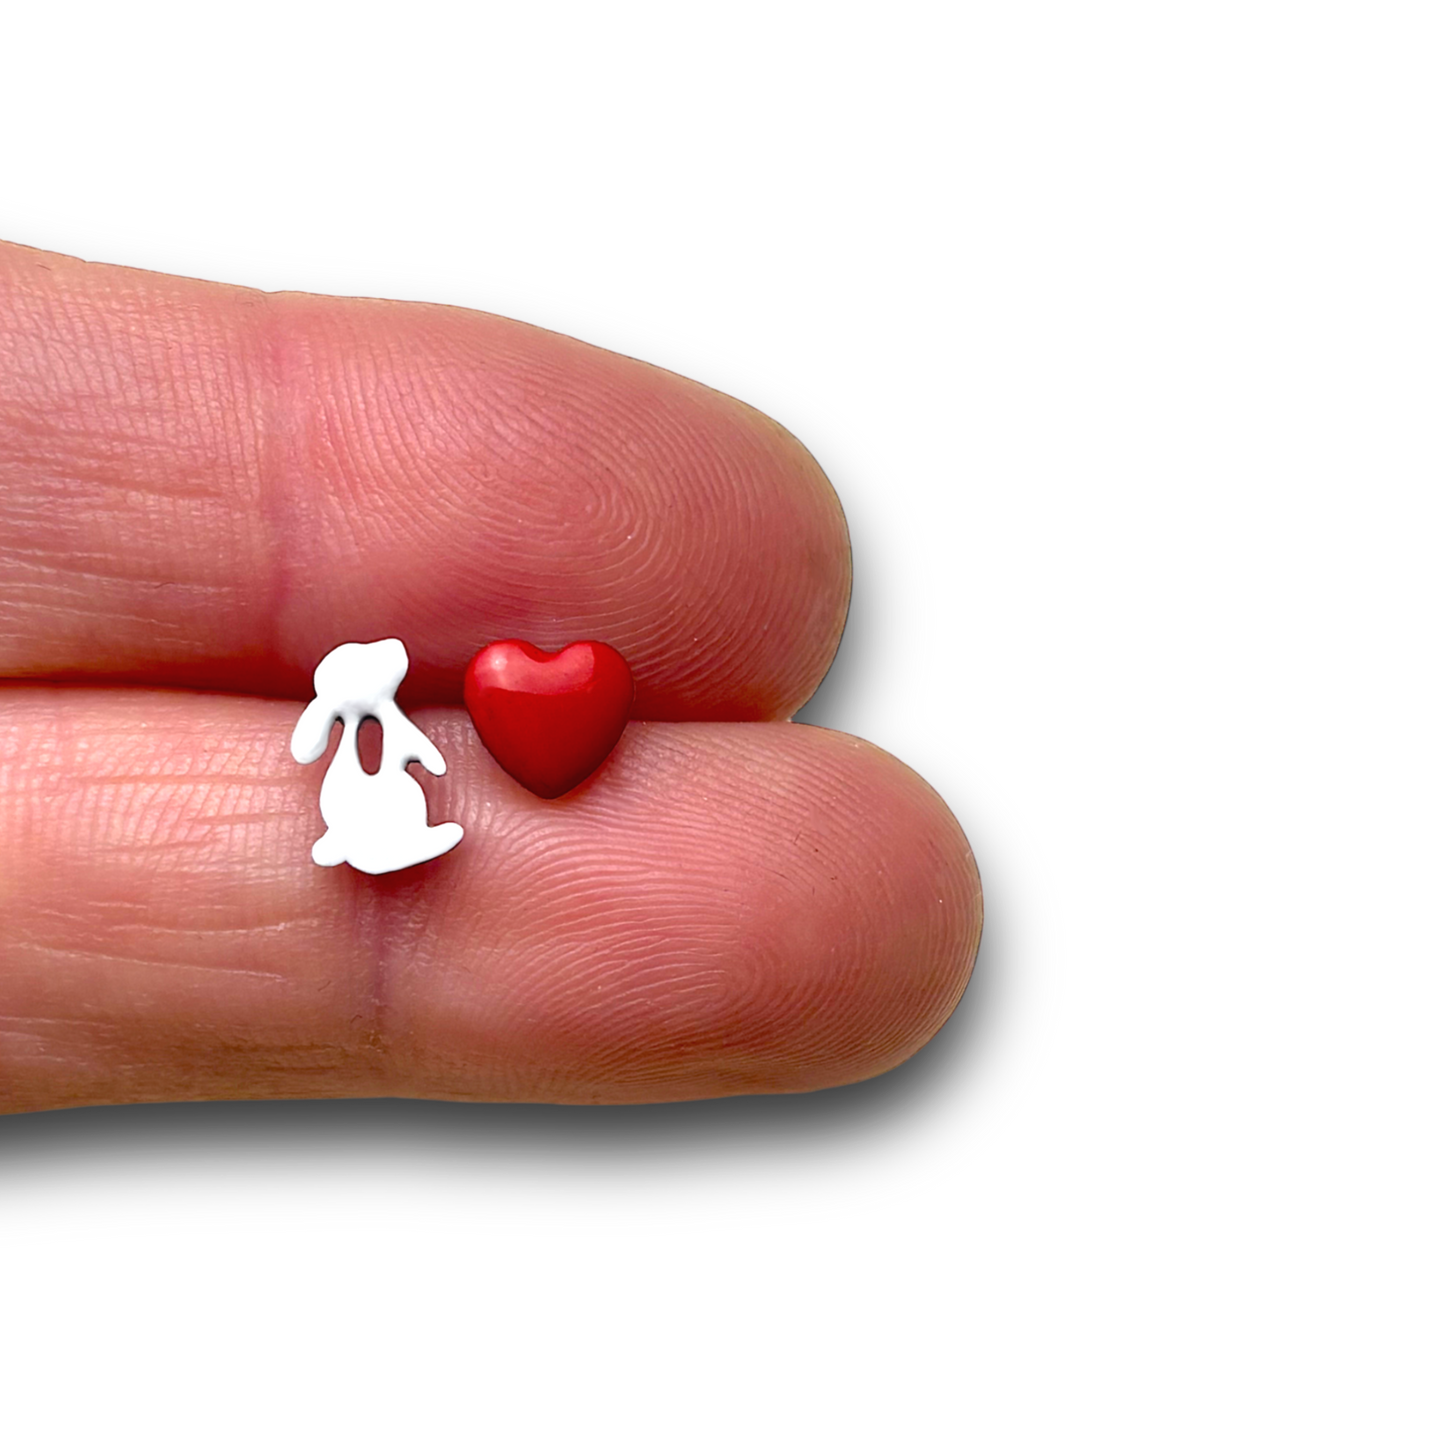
pixel 206 486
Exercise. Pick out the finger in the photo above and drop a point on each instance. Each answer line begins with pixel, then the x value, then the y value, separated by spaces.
pixel 207 486
pixel 723 909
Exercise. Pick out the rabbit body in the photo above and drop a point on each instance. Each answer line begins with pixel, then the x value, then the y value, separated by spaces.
pixel 374 821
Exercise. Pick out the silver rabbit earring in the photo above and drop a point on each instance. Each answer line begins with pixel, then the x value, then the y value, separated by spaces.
pixel 374 821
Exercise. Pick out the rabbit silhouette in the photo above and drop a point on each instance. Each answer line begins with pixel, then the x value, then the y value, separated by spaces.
pixel 374 821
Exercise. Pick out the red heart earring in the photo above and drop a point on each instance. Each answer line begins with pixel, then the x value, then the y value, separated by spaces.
pixel 549 718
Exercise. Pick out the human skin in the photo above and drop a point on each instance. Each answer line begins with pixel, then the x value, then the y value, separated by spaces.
pixel 206 488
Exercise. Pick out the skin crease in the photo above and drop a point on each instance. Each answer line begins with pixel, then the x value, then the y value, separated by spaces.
pixel 205 487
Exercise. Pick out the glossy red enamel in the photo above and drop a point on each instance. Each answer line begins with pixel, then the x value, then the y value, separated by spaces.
pixel 549 718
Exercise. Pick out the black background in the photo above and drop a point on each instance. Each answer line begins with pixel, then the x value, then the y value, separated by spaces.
pixel 893 367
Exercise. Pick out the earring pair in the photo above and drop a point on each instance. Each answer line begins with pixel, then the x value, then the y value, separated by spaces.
pixel 549 719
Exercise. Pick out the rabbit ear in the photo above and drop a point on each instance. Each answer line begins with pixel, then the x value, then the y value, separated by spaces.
pixel 312 731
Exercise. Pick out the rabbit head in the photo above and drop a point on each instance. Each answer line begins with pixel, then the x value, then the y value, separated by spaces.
pixel 358 672
pixel 352 681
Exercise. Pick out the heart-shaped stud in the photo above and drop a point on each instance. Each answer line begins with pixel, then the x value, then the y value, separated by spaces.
pixel 549 718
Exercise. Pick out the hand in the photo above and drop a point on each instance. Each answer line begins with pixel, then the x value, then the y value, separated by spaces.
pixel 205 489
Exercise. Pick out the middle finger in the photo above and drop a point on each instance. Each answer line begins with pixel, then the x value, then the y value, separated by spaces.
pixel 723 909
